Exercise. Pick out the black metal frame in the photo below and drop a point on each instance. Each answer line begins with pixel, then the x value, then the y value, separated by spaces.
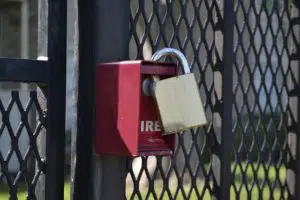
pixel 24 70
pixel 219 142
pixel 94 46
pixel 56 99
pixel 83 126
pixel 51 77
pixel 226 100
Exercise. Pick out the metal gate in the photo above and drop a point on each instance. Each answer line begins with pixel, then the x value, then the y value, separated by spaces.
pixel 49 105
pixel 246 57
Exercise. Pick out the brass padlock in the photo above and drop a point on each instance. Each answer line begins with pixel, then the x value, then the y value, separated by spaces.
pixel 178 98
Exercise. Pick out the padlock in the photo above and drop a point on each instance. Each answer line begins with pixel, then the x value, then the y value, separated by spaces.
pixel 178 98
pixel 127 121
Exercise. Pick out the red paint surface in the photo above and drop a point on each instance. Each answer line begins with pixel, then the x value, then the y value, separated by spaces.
pixel 121 106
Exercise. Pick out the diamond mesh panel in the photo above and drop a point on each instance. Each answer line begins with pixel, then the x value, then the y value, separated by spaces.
pixel 262 76
pixel 20 161
pixel 156 24
pixel 260 108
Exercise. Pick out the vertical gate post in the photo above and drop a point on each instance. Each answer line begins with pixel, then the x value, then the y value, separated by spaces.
pixel 227 98
pixel 103 37
pixel 223 150
pixel 83 104
pixel 293 81
pixel 56 99
pixel 112 44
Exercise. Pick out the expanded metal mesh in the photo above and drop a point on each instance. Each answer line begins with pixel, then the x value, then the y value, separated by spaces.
pixel 260 153
pixel 183 25
pixel 20 161
pixel 261 47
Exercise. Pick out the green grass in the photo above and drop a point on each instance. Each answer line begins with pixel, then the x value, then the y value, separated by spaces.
pixel 261 175
pixel 193 196
pixel 22 192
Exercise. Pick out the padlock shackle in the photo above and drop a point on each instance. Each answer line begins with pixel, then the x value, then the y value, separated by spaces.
pixel 173 53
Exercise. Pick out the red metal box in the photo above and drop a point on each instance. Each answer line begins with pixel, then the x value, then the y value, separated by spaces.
pixel 127 120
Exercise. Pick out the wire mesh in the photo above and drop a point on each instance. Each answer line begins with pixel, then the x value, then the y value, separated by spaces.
pixel 260 106
pixel 183 25
pixel 260 154
pixel 20 160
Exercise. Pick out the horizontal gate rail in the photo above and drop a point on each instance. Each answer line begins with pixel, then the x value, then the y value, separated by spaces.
pixel 24 70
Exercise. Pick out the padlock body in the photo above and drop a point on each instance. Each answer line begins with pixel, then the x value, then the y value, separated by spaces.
pixel 178 100
pixel 127 121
